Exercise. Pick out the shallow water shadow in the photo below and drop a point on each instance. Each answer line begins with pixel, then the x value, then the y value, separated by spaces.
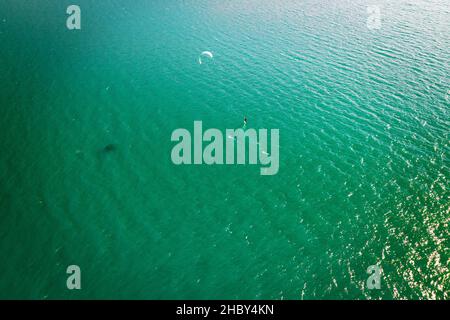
pixel 109 148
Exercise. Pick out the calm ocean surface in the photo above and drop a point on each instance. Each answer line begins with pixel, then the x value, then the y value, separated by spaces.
pixel 364 118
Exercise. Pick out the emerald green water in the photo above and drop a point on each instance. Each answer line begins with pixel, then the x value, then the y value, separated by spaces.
pixel 364 150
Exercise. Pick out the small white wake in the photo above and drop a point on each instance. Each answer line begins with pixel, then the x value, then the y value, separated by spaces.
pixel 257 143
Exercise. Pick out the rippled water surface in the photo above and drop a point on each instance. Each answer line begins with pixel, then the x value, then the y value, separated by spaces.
pixel 87 178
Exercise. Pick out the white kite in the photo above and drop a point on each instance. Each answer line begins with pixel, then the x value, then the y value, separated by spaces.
pixel 205 54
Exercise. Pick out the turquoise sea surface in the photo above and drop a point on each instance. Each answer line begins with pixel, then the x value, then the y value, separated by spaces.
pixel 87 178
